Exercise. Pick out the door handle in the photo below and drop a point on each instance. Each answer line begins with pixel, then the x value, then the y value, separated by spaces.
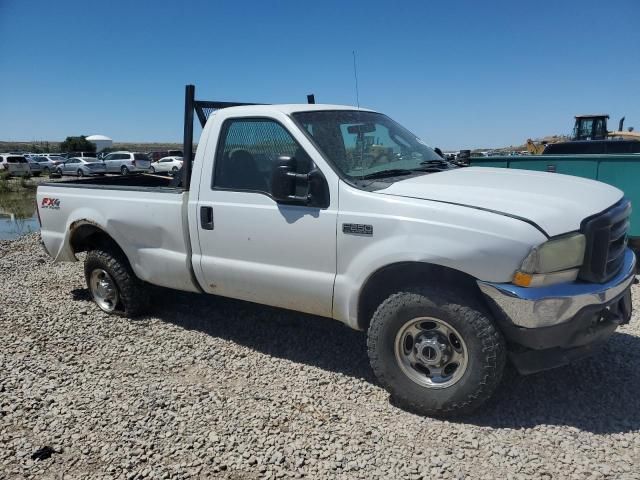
pixel 206 218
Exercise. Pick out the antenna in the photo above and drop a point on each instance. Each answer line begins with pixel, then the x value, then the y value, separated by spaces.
pixel 355 75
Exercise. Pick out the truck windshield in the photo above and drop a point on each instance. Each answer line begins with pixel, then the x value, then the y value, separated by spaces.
pixel 364 145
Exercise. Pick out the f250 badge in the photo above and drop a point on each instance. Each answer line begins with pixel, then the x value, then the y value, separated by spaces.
pixel 51 203
pixel 357 229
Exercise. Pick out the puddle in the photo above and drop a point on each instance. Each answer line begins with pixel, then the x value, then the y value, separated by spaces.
pixel 18 214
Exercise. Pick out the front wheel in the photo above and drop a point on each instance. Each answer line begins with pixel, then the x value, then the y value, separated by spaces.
pixel 124 170
pixel 113 285
pixel 80 173
pixel 152 170
pixel 435 353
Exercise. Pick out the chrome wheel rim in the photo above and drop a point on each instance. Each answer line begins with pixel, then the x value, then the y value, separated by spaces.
pixel 103 290
pixel 431 352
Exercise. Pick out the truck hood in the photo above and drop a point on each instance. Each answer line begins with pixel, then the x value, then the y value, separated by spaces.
pixel 555 203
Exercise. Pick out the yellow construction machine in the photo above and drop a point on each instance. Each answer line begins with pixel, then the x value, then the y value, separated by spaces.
pixel 588 127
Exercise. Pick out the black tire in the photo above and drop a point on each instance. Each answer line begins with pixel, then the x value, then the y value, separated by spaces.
pixel 132 292
pixel 174 170
pixel 485 346
pixel 124 170
pixel 60 171
pixel 80 173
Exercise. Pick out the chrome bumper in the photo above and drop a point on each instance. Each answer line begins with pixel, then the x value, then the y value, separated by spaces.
pixel 556 304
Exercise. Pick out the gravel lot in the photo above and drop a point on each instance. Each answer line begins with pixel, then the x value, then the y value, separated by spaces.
pixel 209 387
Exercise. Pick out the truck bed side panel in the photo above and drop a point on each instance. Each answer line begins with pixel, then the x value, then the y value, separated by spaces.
pixel 146 224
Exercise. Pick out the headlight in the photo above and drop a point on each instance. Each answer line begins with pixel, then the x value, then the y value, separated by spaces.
pixel 555 261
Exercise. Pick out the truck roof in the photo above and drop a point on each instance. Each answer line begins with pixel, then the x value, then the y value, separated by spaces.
pixel 292 107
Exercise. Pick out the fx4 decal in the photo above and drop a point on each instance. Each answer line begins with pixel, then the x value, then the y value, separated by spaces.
pixel 51 203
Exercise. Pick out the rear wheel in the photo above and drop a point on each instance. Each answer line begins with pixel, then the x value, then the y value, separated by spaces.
pixel 436 353
pixel 124 170
pixel 113 285
pixel 174 170
pixel 80 173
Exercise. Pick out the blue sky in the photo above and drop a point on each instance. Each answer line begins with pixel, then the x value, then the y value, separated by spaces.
pixel 457 73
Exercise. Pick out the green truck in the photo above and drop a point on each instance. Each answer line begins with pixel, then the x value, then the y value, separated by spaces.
pixel 621 171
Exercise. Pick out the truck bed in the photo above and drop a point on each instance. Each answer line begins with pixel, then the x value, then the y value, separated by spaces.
pixel 119 182
pixel 143 214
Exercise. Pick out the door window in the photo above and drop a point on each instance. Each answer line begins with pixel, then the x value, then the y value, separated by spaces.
pixel 249 151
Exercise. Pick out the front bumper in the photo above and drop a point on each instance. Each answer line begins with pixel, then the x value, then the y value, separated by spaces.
pixel 554 325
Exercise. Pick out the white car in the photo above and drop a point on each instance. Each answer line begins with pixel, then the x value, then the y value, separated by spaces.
pixel 50 162
pixel 450 271
pixel 127 162
pixel 169 165
pixel 14 165
pixel 81 166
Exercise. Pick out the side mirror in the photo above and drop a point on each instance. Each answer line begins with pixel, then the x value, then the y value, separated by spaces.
pixel 284 181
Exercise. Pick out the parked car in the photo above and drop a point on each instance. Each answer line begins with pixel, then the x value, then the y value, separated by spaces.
pixel 47 165
pixel 55 158
pixel 448 281
pixel 81 167
pixel 169 165
pixel 34 165
pixel 79 155
pixel 14 165
pixel 157 155
pixel 127 162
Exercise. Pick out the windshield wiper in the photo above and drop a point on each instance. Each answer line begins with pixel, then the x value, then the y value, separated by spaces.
pixel 442 162
pixel 394 172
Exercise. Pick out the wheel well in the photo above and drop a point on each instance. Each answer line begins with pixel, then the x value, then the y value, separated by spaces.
pixel 87 236
pixel 393 278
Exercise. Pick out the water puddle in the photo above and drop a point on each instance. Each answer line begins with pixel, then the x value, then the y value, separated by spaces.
pixel 18 214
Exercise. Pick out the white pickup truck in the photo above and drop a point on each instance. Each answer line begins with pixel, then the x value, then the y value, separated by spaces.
pixel 343 213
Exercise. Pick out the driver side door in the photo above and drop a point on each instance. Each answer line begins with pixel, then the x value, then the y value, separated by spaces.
pixel 252 247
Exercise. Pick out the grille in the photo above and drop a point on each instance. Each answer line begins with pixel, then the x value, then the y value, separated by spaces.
pixel 606 235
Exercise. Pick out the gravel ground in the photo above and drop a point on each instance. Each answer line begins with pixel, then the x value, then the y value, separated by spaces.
pixel 209 387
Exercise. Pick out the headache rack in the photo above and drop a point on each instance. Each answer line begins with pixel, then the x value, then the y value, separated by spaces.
pixel 203 109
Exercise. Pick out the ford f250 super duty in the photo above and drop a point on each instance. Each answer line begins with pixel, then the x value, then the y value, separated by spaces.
pixel 343 213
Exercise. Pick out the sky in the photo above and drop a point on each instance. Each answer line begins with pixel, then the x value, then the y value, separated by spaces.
pixel 459 74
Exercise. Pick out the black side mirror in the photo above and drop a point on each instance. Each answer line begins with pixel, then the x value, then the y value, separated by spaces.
pixel 284 179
